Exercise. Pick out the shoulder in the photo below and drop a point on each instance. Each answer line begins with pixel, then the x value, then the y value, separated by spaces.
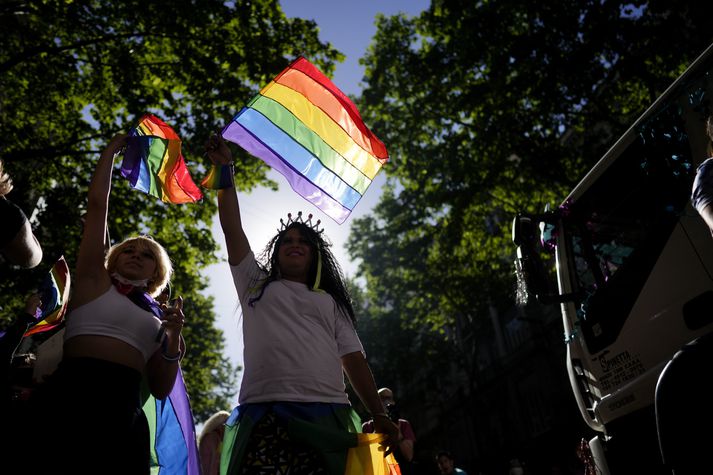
pixel 705 169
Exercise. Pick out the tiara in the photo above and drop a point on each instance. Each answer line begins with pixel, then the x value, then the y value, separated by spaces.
pixel 284 225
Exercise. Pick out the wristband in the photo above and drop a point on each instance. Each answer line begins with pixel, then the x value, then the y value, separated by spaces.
pixel 219 177
pixel 170 358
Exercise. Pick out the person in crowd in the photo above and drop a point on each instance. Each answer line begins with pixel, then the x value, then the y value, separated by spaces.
pixel 300 339
pixel 115 335
pixel 10 340
pixel 17 242
pixel 681 403
pixel 404 451
pixel 702 193
pixel 210 442
pixel 446 464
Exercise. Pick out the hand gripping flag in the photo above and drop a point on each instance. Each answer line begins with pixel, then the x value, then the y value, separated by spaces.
pixel 153 163
pixel 303 126
pixel 54 293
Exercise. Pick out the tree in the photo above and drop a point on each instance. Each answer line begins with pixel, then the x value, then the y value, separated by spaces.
pixel 72 74
pixel 489 108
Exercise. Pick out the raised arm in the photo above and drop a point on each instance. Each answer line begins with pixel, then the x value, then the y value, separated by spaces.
pixel 90 261
pixel 236 241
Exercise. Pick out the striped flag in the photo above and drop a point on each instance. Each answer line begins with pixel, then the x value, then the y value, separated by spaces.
pixel 54 293
pixel 303 126
pixel 173 446
pixel 153 163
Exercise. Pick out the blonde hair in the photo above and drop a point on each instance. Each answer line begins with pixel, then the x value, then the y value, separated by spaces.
pixel 5 181
pixel 164 268
pixel 213 422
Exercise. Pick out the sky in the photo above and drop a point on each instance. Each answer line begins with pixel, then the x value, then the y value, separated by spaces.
pixel 349 27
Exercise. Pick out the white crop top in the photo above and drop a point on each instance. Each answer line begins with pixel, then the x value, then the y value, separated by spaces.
pixel 115 315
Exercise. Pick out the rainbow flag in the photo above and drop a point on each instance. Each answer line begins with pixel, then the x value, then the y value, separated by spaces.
pixel 54 293
pixel 174 450
pixel 366 458
pixel 330 429
pixel 303 126
pixel 153 163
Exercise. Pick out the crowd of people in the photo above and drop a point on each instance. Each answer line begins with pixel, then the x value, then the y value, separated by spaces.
pixel 299 333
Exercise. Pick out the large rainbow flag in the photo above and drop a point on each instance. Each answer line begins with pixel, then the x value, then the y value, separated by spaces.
pixel 153 163
pixel 54 293
pixel 174 450
pixel 303 126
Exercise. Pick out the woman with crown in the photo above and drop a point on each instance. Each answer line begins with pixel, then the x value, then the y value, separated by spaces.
pixel 298 327
pixel 116 335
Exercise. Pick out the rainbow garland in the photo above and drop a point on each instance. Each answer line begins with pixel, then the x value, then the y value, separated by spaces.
pixel 153 163
pixel 303 126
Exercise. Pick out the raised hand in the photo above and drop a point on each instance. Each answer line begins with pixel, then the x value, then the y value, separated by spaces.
pixel 217 151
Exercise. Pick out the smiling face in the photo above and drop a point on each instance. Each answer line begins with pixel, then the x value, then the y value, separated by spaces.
pixel 295 256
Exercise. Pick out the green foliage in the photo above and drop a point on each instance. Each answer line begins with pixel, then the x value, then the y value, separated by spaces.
pixel 72 74
pixel 487 109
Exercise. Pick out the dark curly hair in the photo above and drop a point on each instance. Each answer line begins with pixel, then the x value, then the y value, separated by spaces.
pixel 331 277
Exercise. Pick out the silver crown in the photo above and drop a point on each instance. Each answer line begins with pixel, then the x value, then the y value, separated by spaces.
pixel 314 226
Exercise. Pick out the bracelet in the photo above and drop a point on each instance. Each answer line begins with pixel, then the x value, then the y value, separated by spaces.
pixel 171 358
pixel 219 177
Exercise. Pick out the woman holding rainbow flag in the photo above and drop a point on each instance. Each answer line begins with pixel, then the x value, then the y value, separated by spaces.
pixel 293 414
pixel 116 334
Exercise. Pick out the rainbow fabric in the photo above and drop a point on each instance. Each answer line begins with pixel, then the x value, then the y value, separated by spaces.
pixel 219 177
pixel 303 126
pixel 153 163
pixel 330 429
pixel 174 450
pixel 54 292
pixel 367 459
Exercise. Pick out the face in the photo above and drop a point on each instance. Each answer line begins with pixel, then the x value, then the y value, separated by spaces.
pixel 445 465
pixel 135 262
pixel 294 256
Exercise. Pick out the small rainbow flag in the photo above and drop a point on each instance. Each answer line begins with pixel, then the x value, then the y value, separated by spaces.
pixel 153 163
pixel 303 126
pixel 54 293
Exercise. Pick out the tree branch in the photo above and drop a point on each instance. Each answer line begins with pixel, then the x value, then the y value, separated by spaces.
pixel 32 52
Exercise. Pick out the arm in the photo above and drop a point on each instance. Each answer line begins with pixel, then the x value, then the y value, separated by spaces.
pixel 162 367
pixel 24 250
pixel 90 261
pixel 362 380
pixel 706 213
pixel 228 207
pixel 406 445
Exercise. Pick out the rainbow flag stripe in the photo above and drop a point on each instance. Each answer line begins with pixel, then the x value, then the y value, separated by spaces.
pixel 153 163
pixel 173 446
pixel 54 292
pixel 303 126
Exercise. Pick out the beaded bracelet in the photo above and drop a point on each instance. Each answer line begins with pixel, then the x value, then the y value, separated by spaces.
pixel 219 177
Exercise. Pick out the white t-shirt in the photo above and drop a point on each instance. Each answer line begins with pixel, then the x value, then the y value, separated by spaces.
pixel 294 339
